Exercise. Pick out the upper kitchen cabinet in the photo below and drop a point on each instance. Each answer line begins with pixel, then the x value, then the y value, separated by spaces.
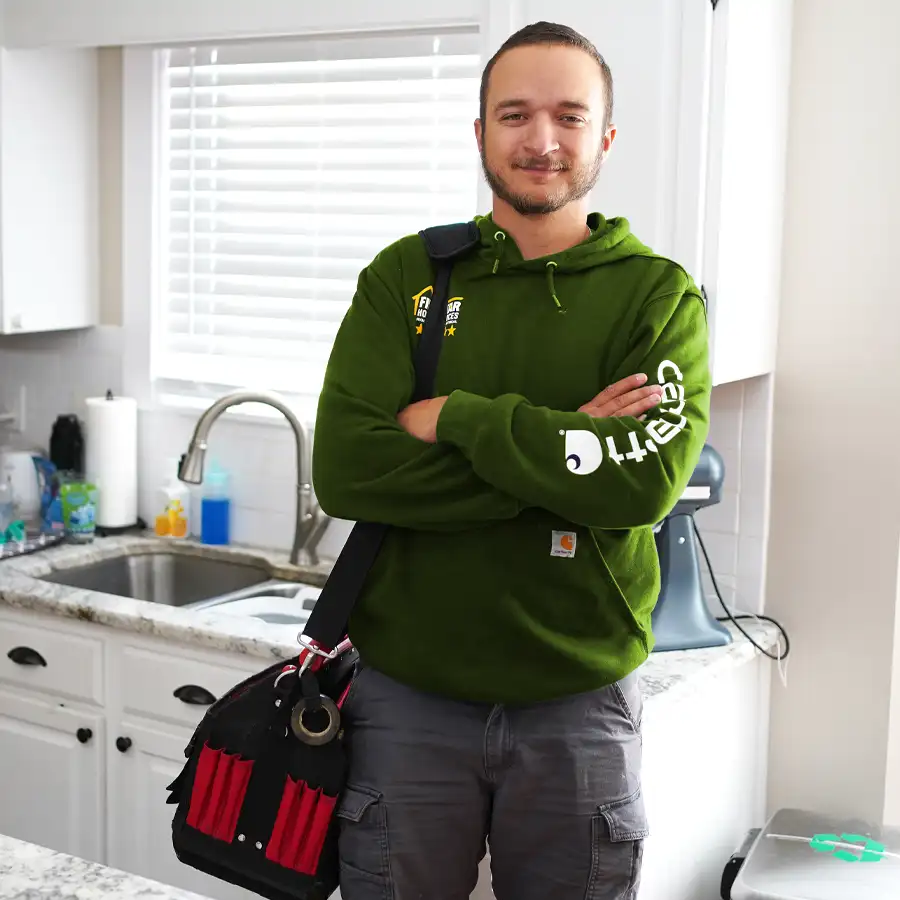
pixel 701 97
pixel 48 190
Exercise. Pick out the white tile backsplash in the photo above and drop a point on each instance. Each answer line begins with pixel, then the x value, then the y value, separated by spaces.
pixel 735 530
pixel 59 370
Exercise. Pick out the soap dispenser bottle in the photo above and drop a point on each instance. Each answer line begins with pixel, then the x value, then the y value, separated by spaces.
pixel 174 509
pixel 215 507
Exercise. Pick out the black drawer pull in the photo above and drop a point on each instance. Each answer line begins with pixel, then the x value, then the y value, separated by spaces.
pixel 193 693
pixel 26 656
pixel 84 735
pixel 123 744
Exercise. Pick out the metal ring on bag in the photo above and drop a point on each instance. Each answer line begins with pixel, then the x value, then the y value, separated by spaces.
pixel 316 738
pixel 287 670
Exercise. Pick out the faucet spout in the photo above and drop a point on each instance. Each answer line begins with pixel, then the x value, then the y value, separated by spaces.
pixel 309 517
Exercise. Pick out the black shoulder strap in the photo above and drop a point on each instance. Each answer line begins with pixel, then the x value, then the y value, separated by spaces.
pixel 444 243
pixel 327 623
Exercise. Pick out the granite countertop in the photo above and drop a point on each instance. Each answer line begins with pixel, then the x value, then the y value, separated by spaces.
pixel 21 588
pixel 31 872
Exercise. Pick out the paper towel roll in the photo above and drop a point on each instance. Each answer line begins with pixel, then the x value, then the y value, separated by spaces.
pixel 111 458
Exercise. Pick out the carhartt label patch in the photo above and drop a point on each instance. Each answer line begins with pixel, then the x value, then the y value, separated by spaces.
pixel 563 544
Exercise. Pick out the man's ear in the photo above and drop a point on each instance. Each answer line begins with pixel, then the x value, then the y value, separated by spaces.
pixel 479 135
pixel 608 141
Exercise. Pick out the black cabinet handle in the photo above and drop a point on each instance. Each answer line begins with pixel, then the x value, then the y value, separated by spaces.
pixel 193 693
pixel 26 656
pixel 84 735
pixel 122 744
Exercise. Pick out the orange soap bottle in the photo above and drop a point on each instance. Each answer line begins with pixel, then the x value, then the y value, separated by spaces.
pixel 173 515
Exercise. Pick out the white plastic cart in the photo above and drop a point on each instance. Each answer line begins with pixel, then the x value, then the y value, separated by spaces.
pixel 801 855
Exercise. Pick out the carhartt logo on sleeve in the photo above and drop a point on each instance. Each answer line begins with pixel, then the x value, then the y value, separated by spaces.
pixel 563 544
pixel 584 452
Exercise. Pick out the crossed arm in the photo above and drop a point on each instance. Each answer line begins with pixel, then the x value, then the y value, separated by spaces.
pixel 461 461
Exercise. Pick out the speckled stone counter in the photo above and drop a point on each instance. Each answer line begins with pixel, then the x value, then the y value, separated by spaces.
pixel 21 587
pixel 30 872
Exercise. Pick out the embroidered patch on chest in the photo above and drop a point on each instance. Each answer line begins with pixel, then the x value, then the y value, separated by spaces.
pixel 563 544
pixel 422 301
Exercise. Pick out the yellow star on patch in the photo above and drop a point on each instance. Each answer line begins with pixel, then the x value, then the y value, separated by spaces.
pixel 418 329
pixel 451 330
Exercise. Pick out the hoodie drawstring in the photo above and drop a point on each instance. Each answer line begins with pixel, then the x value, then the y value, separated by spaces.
pixel 499 240
pixel 550 284
pixel 500 243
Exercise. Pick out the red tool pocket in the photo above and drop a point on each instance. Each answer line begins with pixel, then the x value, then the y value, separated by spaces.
pixel 220 784
pixel 300 827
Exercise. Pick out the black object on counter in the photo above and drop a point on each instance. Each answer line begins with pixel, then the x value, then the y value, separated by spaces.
pixel 67 444
pixel 112 530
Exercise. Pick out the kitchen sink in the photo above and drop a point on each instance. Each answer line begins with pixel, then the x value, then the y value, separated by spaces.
pixel 172 579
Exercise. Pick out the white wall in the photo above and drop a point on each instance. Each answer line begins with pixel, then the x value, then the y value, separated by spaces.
pixel 835 528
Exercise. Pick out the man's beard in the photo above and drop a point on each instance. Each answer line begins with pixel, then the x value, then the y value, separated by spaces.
pixel 582 182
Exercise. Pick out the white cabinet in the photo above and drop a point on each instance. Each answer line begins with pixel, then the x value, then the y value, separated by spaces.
pixel 48 190
pixel 155 702
pixel 748 125
pixel 52 774
pixel 93 726
pixel 140 823
pixel 701 98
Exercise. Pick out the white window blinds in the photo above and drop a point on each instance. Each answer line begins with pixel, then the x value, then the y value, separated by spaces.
pixel 286 166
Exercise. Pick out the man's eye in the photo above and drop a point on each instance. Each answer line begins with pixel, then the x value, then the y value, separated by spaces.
pixel 510 116
pixel 573 119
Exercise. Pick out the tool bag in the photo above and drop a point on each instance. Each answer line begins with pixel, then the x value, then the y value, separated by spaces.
pixel 267 764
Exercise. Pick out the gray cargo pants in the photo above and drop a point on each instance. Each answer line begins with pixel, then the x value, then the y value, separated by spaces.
pixel 553 787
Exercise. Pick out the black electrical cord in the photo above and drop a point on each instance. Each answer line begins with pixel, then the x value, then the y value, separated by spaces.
pixel 733 618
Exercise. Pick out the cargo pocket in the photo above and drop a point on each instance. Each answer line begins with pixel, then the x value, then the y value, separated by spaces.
pixel 618 830
pixel 363 842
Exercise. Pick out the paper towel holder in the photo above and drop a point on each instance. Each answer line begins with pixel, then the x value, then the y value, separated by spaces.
pixel 111 530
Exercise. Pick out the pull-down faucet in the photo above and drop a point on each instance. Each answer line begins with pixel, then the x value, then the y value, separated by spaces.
pixel 311 522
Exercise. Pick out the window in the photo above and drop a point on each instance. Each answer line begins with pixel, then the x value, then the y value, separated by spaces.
pixel 285 166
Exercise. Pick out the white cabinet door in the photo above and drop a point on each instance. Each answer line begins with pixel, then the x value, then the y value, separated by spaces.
pixel 699 159
pixel 140 821
pixel 49 195
pixel 52 771
pixel 746 183
pixel 659 57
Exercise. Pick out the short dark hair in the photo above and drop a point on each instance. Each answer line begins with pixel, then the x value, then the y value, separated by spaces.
pixel 549 33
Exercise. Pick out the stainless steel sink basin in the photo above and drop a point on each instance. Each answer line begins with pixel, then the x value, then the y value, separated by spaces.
pixel 172 579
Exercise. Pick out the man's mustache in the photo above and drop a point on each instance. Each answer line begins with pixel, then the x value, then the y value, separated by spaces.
pixel 552 165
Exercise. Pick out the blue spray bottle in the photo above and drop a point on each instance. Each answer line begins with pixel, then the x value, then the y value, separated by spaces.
pixel 215 507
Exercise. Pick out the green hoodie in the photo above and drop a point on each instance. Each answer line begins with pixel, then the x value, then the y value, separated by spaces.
pixel 522 565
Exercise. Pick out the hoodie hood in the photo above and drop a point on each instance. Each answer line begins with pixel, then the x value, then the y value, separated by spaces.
pixel 610 240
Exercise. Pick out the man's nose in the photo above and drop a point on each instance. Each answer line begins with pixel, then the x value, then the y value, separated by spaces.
pixel 540 138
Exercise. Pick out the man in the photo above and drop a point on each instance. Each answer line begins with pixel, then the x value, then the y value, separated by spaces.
pixel 502 624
